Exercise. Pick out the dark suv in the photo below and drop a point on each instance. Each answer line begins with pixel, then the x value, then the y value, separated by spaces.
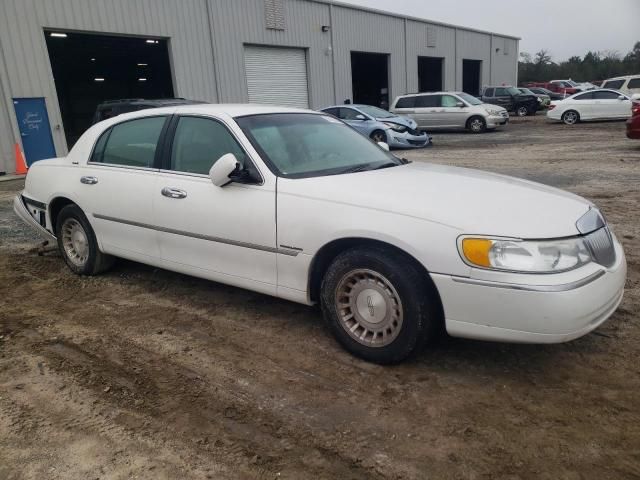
pixel 512 99
pixel 112 108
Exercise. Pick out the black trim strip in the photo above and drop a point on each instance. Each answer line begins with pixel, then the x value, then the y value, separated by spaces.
pixel 283 251
pixel 35 203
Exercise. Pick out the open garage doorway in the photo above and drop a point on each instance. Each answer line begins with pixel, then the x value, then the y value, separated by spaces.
pixel 471 73
pixel 89 69
pixel 370 77
pixel 430 74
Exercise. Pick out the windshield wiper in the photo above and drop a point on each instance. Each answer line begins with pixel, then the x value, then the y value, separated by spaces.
pixel 386 165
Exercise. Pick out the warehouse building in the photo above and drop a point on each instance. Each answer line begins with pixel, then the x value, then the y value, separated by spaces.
pixel 60 58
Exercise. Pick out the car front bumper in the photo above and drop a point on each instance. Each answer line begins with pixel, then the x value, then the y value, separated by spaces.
pixel 555 311
pixel 407 140
pixel 494 121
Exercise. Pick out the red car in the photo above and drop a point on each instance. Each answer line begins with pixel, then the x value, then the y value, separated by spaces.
pixel 562 87
pixel 633 124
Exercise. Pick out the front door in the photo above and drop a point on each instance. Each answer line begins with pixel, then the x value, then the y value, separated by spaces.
pixel 355 119
pixel 35 131
pixel 453 115
pixel 228 233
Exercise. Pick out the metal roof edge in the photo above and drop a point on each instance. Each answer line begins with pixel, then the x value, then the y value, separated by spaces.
pixel 409 17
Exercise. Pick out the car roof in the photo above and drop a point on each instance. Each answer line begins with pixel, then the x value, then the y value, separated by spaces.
pixel 623 77
pixel 231 110
pixel 160 102
pixel 429 93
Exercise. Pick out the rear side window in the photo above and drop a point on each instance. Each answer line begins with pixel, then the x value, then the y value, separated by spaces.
pixel 428 101
pixel 501 92
pixel 584 96
pixel 634 83
pixel 199 143
pixel 406 102
pixel 488 92
pixel 349 114
pixel 131 143
pixel 606 95
pixel 332 111
pixel 613 84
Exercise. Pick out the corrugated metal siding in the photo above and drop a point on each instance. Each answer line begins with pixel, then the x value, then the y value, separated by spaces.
pixel 277 76
pixel 7 136
pixel 416 47
pixel 241 22
pixel 474 46
pixel 361 31
pixel 505 65
pixel 29 70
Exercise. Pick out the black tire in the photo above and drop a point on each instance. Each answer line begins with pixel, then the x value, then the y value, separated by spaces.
pixel 522 110
pixel 378 136
pixel 570 117
pixel 476 124
pixel 92 261
pixel 414 294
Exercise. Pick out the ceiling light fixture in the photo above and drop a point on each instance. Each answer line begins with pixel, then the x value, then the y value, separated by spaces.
pixel 98 79
pixel 143 64
pixel 152 41
pixel 58 35
pixel 142 79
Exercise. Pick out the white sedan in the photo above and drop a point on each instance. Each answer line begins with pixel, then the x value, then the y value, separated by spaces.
pixel 296 204
pixel 602 104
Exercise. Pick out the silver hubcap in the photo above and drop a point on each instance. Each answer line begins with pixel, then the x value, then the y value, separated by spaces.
pixel 476 125
pixel 369 308
pixel 570 118
pixel 522 111
pixel 75 242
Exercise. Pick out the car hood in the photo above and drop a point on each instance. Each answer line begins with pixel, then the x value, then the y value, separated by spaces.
pixel 404 121
pixel 471 201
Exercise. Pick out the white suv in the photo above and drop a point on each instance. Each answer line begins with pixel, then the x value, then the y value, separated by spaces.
pixel 628 85
pixel 450 110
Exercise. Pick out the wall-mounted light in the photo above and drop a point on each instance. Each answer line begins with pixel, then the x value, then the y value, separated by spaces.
pixel 98 79
pixel 497 49
pixel 58 35
pixel 325 28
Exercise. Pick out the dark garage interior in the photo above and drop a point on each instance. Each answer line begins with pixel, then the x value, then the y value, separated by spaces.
pixel 370 77
pixel 430 74
pixel 471 70
pixel 89 69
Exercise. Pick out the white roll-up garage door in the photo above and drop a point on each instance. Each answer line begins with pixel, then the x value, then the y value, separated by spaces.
pixel 277 76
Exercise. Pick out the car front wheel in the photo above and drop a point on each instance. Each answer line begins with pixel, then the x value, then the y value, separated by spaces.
pixel 378 136
pixel 522 111
pixel 378 304
pixel 476 125
pixel 77 243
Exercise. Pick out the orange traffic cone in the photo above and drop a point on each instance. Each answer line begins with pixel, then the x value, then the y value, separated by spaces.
pixel 21 165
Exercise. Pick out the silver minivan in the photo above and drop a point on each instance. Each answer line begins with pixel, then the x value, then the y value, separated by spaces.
pixel 450 110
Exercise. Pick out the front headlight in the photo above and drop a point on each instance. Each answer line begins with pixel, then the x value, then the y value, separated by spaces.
pixel 396 127
pixel 493 111
pixel 533 256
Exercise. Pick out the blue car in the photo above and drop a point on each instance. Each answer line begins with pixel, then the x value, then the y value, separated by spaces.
pixel 381 126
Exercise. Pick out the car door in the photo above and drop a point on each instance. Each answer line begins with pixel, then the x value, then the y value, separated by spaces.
pixel 406 106
pixel 502 98
pixel 228 233
pixel 453 115
pixel 356 119
pixel 584 105
pixel 608 104
pixel 429 113
pixel 117 186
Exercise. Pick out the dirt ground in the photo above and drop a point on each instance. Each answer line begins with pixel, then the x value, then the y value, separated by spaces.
pixel 143 373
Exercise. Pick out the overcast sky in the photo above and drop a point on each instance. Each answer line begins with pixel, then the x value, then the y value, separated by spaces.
pixel 564 27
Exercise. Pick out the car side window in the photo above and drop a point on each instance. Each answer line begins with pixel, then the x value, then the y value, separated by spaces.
pixel 605 95
pixel 488 92
pixel 198 143
pixel 634 83
pixel 501 92
pixel 613 84
pixel 584 96
pixel 428 101
pixel 406 102
pixel 332 111
pixel 132 143
pixel 449 101
pixel 348 114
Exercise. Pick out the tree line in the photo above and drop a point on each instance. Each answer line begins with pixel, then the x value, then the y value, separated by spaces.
pixel 594 66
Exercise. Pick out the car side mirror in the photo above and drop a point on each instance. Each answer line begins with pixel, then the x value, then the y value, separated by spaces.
pixel 622 97
pixel 459 104
pixel 384 146
pixel 222 169
pixel 360 117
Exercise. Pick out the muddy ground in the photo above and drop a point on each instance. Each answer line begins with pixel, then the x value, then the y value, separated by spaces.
pixel 142 373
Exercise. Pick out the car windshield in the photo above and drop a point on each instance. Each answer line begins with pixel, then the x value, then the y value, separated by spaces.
pixel 470 99
pixel 303 145
pixel 572 83
pixel 513 91
pixel 375 112
pixel 527 91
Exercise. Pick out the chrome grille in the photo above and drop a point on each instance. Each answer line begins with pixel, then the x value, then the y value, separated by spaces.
pixel 600 243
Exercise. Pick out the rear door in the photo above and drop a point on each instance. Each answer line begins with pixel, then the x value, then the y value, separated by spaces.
pixel 633 86
pixel 584 105
pixel 405 106
pixel 502 98
pixel 429 112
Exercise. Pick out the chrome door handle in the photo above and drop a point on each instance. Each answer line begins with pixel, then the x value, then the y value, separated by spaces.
pixel 171 192
pixel 88 180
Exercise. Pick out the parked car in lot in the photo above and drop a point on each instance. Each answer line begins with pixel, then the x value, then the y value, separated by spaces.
pixel 565 88
pixel 296 204
pixel 543 99
pixel 633 124
pixel 113 108
pixel 601 104
pixel 549 93
pixel 628 85
pixel 381 125
pixel 511 99
pixel 450 110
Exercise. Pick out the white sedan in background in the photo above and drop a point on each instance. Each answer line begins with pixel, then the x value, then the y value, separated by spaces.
pixel 296 204
pixel 601 104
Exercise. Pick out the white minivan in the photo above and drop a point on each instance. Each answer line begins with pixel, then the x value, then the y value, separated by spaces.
pixel 628 85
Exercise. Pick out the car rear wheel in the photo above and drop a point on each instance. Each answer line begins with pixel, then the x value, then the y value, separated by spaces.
pixel 522 111
pixel 570 117
pixel 378 136
pixel 77 243
pixel 378 304
pixel 476 125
